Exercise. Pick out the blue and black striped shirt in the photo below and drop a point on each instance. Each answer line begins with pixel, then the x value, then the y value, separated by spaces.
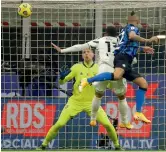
pixel 126 45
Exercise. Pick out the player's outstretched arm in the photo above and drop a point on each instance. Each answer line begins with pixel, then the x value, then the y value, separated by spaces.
pixel 74 48
pixel 67 74
pixel 147 49
pixel 67 78
pixel 135 37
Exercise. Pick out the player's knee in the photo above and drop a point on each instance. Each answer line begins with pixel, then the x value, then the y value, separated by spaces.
pixel 99 94
pixel 106 125
pixel 60 124
pixel 117 76
pixel 121 97
pixel 118 73
pixel 120 92
pixel 143 84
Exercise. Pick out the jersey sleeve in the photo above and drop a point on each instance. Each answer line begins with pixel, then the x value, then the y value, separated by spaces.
pixel 93 43
pixel 133 28
pixel 80 47
pixel 115 41
pixel 75 48
pixel 70 76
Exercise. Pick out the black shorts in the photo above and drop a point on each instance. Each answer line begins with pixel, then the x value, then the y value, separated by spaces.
pixel 124 61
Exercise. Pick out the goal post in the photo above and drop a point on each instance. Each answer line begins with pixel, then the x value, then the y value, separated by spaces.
pixel 27 119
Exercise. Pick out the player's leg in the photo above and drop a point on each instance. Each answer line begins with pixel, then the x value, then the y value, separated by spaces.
pixel 103 77
pixel 100 87
pixel 140 99
pixel 119 87
pixel 96 102
pixel 140 93
pixel 123 109
pixel 121 62
pixel 103 119
pixel 69 111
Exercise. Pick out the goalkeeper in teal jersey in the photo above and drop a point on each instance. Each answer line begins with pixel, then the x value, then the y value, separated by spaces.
pixel 81 102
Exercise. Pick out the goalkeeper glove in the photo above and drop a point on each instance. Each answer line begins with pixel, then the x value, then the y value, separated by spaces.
pixel 64 71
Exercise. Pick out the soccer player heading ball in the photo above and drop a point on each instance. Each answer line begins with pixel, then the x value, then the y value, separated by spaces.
pixel 125 52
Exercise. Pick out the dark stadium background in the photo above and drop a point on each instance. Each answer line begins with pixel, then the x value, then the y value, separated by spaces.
pixel 41 37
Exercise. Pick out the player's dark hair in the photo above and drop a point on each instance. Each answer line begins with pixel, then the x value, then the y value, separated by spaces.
pixel 132 13
pixel 111 31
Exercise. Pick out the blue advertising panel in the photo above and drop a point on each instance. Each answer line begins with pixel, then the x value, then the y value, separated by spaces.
pixel 25 121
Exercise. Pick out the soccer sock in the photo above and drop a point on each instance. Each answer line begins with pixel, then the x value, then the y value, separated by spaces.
pixel 52 133
pixel 101 77
pixel 95 107
pixel 140 98
pixel 123 108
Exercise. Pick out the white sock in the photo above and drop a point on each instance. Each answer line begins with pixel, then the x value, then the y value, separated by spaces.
pixel 123 108
pixel 95 107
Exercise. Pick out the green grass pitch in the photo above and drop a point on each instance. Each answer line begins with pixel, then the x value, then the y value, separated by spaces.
pixel 81 150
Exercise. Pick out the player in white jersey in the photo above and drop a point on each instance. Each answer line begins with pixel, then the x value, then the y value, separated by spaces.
pixel 105 47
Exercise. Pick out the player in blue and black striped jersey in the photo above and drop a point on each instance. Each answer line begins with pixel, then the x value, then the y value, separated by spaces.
pixel 127 49
pixel 127 46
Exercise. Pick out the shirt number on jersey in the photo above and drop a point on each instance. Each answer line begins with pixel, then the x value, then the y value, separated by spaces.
pixel 109 46
pixel 121 36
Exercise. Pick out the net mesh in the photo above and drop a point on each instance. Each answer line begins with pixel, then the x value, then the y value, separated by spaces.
pixel 89 4
pixel 34 101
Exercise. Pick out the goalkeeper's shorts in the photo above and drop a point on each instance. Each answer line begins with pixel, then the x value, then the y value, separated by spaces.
pixel 74 107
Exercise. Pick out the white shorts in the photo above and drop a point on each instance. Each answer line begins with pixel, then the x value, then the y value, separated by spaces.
pixel 118 87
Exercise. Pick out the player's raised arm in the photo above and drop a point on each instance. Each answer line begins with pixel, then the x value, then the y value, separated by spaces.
pixel 66 74
pixel 76 48
pixel 133 31
pixel 134 36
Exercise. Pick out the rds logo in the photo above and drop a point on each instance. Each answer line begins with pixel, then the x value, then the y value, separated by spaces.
pixel 30 117
pixel 140 129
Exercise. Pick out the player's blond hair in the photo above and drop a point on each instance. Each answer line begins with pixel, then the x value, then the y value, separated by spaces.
pixel 87 49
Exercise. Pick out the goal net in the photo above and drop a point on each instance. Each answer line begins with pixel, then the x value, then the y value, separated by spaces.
pixel 31 98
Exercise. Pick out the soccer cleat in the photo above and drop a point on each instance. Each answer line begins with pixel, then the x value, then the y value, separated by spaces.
pixel 140 116
pixel 119 148
pixel 127 125
pixel 42 147
pixel 93 123
pixel 83 84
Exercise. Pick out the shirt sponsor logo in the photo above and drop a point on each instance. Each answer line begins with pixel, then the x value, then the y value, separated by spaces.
pixel 124 65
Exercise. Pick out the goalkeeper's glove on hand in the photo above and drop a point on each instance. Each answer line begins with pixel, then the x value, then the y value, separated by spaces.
pixel 64 71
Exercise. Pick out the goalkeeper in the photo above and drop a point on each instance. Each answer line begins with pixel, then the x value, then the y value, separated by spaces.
pixel 80 102
pixel 105 47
